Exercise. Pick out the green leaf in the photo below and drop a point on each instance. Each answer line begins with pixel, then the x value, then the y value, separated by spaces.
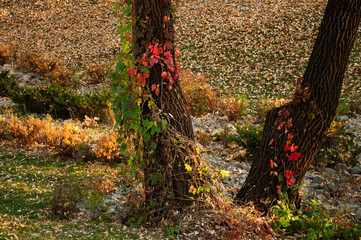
pixel 127 48
pixel 154 146
pixel 123 147
pixel 124 28
pixel 284 222
pixel 164 123
pixel 134 114
pixel 120 66
pixel 127 11
pixel 147 137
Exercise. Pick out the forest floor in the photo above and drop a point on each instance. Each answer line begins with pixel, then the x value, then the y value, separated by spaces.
pixel 255 50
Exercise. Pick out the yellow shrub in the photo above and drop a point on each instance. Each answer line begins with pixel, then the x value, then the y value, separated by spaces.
pixel 46 66
pixel 107 146
pixel 201 97
pixel 6 52
pixel 96 73
pixel 65 139
pixel 231 107
pixel 24 131
pixel 265 105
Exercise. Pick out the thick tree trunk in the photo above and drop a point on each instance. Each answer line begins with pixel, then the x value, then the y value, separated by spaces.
pixel 155 25
pixel 311 112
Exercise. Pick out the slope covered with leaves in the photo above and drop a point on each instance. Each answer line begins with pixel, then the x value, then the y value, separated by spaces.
pixel 256 48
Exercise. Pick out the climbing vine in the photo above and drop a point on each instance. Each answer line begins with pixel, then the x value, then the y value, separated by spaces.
pixel 164 159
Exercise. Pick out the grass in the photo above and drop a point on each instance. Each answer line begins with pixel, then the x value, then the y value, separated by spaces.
pixel 26 186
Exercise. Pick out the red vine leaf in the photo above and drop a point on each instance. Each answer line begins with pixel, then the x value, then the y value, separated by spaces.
pixel 286 147
pixel 132 72
pixel 294 156
pixel 165 75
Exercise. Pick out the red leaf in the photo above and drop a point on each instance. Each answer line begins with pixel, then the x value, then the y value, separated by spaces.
pixel 290 182
pixel 286 147
pixel 153 87
pixel 285 113
pixel 294 156
pixel 132 72
pixel 165 75
pixel 281 125
pixel 168 54
pixel 289 174
pixel 153 60
pixel 177 52
pixel 157 91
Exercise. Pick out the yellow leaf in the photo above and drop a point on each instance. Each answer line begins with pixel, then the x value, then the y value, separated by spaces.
pixel 189 168
pixel 193 190
pixel 197 150
pixel 224 173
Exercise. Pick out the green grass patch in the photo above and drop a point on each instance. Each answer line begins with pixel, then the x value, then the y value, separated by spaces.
pixel 26 189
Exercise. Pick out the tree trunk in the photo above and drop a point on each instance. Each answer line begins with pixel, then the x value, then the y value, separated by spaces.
pixel 155 25
pixel 309 115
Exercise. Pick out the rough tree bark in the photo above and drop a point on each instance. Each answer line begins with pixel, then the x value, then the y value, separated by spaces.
pixel 155 24
pixel 310 113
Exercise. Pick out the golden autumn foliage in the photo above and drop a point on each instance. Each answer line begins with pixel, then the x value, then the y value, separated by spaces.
pixel 66 138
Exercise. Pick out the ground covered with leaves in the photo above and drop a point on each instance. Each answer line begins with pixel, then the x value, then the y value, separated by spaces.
pixel 244 56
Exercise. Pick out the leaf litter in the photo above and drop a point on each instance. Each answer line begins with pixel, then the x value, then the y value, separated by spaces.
pixel 257 48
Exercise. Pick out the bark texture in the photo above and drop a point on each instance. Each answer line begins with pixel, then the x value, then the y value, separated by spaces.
pixel 311 111
pixel 155 24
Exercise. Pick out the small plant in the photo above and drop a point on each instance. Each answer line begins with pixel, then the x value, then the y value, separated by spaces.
pixel 96 73
pixel 248 136
pixel 201 97
pixel 338 146
pixel 233 107
pixel 169 231
pixel 24 131
pixel 263 106
pixel 65 140
pixel 66 195
pixel 6 52
pixel 313 222
pixel 203 138
pixel 68 138
pixel 98 185
pixel 355 103
pixel 46 66
pixel 107 146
